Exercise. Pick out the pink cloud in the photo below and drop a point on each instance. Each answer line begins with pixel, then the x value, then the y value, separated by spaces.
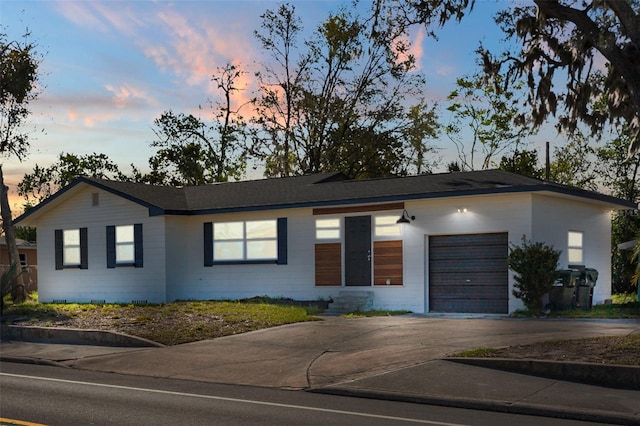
pixel 195 50
pixel 127 95
pixel 415 47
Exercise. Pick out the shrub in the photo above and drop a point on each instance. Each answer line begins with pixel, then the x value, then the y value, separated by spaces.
pixel 535 266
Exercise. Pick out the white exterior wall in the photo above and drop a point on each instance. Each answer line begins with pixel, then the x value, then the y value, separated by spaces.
pixel 555 217
pixel 190 279
pixel 509 213
pixel 122 284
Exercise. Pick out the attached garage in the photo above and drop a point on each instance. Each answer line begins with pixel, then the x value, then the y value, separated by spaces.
pixel 468 273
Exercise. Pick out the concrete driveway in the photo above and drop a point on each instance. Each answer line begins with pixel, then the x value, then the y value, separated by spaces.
pixel 314 354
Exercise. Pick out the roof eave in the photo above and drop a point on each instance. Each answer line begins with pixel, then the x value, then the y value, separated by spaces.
pixel 575 192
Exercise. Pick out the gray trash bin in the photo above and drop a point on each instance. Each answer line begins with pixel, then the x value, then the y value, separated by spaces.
pixel 562 295
pixel 584 291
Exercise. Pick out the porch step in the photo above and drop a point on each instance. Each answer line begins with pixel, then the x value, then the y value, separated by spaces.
pixel 351 301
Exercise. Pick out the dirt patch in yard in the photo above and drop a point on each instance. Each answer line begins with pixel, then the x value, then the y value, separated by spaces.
pixel 169 324
pixel 622 350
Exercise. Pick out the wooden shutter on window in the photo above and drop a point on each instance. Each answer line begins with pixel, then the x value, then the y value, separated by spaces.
pixel 387 262
pixel 138 245
pixel 111 246
pixel 328 264
pixel 58 244
pixel 208 244
pixel 84 249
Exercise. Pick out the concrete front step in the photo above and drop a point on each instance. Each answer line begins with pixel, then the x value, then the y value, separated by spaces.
pixel 351 301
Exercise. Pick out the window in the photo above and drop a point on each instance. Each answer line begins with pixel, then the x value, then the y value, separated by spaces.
pixel 327 229
pixel 124 246
pixel 256 241
pixel 574 247
pixel 71 248
pixel 23 259
pixel 387 226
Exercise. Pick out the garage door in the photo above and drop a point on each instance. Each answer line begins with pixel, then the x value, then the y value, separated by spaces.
pixel 468 273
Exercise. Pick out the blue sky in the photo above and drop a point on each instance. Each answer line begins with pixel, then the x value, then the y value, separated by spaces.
pixel 111 67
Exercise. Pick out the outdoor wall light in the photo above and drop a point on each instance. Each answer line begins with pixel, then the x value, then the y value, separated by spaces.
pixel 405 218
pixel 462 210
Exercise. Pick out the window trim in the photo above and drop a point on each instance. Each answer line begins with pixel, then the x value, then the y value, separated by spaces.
pixel 58 237
pixel 138 252
pixel 385 237
pixel 281 246
pixel 575 247
pixel 328 228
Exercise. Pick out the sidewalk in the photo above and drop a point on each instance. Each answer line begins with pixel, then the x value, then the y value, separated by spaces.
pixel 451 384
pixel 298 357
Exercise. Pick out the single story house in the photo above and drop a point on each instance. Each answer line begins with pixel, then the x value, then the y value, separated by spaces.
pixel 311 237
pixel 28 253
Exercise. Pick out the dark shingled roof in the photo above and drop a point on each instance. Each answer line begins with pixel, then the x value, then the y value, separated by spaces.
pixel 325 189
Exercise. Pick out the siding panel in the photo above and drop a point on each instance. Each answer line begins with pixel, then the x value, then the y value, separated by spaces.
pixel 387 262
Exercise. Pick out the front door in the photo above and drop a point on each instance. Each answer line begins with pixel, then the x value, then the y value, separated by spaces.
pixel 357 247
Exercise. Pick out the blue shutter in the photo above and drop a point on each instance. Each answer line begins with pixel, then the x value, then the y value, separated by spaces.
pixel 208 244
pixel 282 241
pixel 111 246
pixel 137 239
pixel 84 249
pixel 57 241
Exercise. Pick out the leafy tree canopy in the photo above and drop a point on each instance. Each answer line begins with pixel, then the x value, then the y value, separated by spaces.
pixel 581 62
pixel 340 103
pixel 19 63
pixel 44 181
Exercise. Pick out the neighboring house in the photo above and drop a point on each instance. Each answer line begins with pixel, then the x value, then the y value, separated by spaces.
pixel 28 253
pixel 310 237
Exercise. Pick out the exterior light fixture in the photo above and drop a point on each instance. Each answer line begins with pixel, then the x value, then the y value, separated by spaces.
pixel 405 218
pixel 462 210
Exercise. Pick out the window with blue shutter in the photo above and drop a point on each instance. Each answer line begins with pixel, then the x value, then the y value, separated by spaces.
pixel 71 248
pixel 124 246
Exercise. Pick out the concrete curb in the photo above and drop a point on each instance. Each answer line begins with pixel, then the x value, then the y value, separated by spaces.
pixel 73 336
pixel 486 405
pixel 608 375
pixel 32 361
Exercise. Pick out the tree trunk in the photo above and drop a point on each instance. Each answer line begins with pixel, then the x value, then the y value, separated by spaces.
pixel 18 291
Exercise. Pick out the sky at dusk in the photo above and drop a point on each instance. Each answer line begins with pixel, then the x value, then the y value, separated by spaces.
pixel 111 67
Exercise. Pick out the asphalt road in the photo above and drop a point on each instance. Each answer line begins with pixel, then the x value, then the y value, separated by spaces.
pixel 61 396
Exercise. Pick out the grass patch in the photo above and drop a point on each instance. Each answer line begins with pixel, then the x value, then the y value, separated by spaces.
pixel 170 323
pixel 482 352
pixel 615 310
pixel 621 299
